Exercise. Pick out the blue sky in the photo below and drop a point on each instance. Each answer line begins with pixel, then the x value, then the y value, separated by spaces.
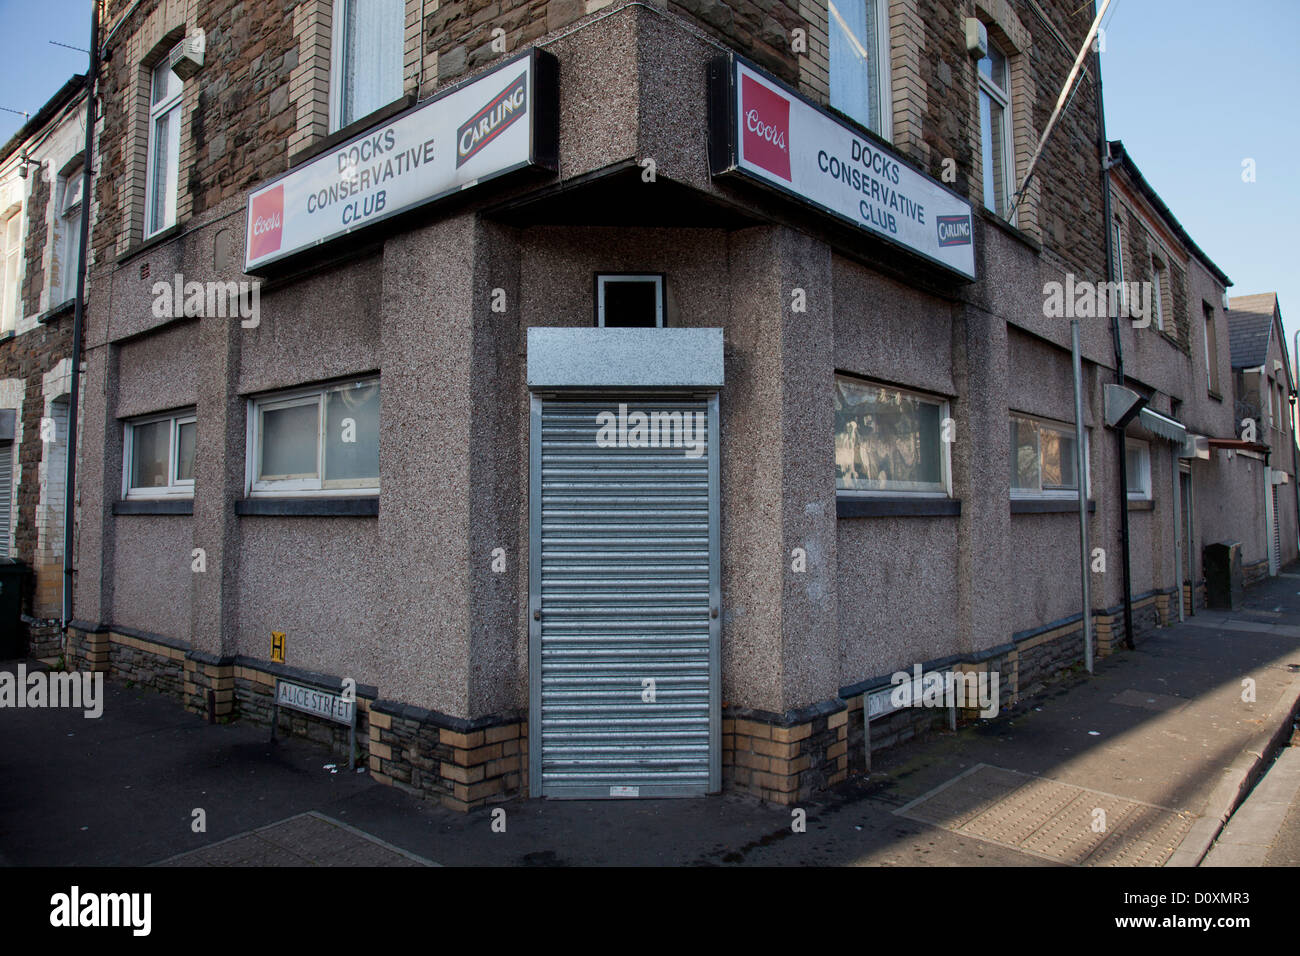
pixel 1191 89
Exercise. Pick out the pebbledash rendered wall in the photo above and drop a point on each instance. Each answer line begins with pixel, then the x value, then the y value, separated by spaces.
pixel 405 602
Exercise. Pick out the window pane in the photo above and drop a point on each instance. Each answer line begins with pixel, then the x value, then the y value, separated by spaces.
pixel 72 192
pixel 1024 455
pixel 885 439
pixel 372 56
pixel 166 84
pixel 1058 451
pixel 158 184
pixel 854 48
pixel 994 66
pixel 185 435
pixel 150 451
pixel 352 433
pixel 289 441
pixel 992 143
pixel 1133 466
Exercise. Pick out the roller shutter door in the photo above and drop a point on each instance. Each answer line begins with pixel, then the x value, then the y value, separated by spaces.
pixel 624 588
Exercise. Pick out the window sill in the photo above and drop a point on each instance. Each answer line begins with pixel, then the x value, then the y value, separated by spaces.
pixel 988 215
pixel 1041 506
pixel 1141 504
pixel 154 506
pixel 309 507
pixel 157 239
pixel 901 507
pixel 355 128
pixel 60 311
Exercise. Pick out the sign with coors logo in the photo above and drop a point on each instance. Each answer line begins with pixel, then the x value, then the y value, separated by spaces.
pixel 481 129
pixel 763 131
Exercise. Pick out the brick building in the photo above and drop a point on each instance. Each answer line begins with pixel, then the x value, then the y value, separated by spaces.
pixel 504 250
pixel 40 209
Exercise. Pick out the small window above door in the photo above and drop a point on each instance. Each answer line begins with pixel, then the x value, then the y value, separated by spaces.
pixel 631 300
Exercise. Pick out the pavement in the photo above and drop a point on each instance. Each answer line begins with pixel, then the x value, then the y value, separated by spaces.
pixel 1140 764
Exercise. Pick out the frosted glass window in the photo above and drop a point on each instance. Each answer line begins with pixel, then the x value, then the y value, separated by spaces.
pixel 859 62
pixel 352 433
pixel 290 442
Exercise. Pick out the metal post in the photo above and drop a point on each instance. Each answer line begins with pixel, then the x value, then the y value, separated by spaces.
pixel 1081 474
pixel 1178 531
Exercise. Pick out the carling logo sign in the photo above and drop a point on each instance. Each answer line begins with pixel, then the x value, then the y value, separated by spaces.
pixel 491 121
pixel 765 125
pixel 773 136
pixel 953 230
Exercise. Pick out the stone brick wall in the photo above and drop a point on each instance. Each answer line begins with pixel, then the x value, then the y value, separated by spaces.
pixel 784 759
pixel 38 230
pixel 415 751
pixel 30 357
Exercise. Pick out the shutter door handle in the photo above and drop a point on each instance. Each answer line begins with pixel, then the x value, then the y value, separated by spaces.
pixel 537 614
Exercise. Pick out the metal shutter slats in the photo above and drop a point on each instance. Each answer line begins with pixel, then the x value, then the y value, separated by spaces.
pixel 624 585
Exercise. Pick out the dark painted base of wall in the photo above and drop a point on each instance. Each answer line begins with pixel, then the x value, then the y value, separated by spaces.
pixel 465 765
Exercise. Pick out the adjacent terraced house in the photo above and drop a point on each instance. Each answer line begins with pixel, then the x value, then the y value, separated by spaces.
pixel 614 395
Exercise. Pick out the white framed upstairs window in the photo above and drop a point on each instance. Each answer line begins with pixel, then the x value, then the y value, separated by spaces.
pixel 366 60
pixel 889 440
pixel 162 170
pixel 158 456
pixel 1137 466
pixel 859 62
pixel 11 260
pixel 994 71
pixel 317 441
pixel 69 235
pixel 1044 462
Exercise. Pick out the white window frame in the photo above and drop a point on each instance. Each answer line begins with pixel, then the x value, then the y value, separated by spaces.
pixel 338 50
pixel 164 108
pixel 1068 431
pixel 70 233
pixel 1144 450
pixel 605 278
pixel 883 65
pixel 1003 98
pixel 175 487
pixel 945 448
pixel 10 309
pixel 301 486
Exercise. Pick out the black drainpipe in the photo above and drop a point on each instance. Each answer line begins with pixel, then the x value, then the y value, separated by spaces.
pixel 1108 231
pixel 78 320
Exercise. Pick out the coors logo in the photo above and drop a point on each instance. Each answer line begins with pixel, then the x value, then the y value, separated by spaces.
pixel 765 127
pixel 491 121
pixel 266 223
